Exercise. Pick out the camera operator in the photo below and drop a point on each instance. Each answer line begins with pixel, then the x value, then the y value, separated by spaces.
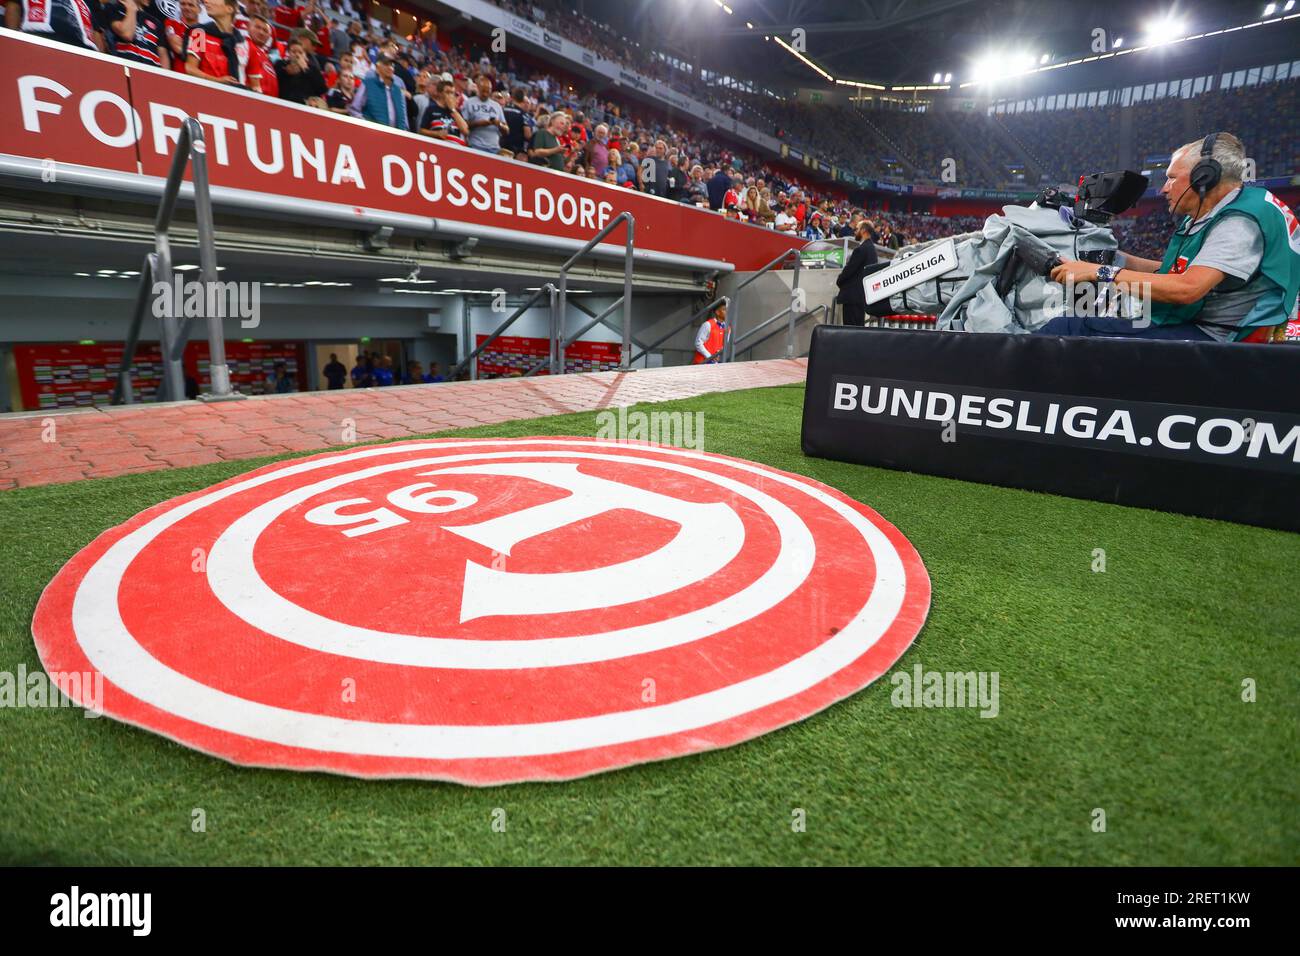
pixel 1231 267
pixel 852 296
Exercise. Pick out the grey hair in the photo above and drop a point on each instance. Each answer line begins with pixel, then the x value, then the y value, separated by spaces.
pixel 1228 152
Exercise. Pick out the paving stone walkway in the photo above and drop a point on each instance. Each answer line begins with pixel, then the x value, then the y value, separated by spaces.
pixel 122 440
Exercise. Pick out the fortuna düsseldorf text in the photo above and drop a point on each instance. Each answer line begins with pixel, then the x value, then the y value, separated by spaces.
pixel 307 158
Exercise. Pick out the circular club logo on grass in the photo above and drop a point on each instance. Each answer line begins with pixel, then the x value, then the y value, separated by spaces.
pixel 486 611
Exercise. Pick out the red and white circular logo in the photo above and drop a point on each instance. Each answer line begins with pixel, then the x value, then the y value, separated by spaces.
pixel 485 611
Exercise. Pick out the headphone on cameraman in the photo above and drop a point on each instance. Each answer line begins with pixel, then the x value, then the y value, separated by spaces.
pixel 1207 172
pixel 1204 176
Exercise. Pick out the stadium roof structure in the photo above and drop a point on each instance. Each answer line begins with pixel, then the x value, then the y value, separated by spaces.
pixel 893 42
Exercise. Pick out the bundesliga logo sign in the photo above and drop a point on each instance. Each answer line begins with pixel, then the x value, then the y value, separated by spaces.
pixel 903 274
pixel 486 611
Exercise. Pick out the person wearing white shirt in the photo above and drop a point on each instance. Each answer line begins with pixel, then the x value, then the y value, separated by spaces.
pixel 361 65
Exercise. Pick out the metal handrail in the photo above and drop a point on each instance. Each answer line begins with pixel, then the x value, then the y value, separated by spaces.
pixel 191 150
pixel 557 325
pixel 124 391
pixel 468 360
pixel 762 325
pixel 789 348
pixel 730 348
pixel 604 321
pixel 724 300
pixel 558 346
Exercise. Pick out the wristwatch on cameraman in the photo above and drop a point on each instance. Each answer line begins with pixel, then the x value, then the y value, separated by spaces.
pixel 1106 273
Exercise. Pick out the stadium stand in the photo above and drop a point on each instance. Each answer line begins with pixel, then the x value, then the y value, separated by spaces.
pixel 1068 142
pixel 912 145
pixel 1145 235
pixel 1072 141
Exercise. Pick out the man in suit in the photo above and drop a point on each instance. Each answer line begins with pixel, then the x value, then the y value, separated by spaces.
pixel 852 297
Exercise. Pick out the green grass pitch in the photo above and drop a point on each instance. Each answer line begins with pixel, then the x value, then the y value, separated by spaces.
pixel 1119 690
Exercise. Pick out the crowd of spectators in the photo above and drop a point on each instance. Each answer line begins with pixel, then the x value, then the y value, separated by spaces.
pixel 1268 125
pixel 1068 143
pixel 1071 142
pixel 323 54
pixel 1145 235
pixel 1063 143
pixel 605 42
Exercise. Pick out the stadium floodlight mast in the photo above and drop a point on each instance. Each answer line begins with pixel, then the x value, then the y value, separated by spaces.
pixel 1000 66
pixel 1166 30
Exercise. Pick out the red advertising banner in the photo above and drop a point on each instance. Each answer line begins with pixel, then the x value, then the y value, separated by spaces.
pixel 80 376
pixel 84 375
pixel 515 354
pixel 251 364
pixel 72 106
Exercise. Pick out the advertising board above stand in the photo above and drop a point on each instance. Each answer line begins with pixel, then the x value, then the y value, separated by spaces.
pixel 78 111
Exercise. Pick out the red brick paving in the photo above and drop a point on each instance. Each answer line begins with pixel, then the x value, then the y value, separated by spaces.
pixel 94 443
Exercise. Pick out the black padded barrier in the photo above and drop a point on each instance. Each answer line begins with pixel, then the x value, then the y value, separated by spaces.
pixel 1195 428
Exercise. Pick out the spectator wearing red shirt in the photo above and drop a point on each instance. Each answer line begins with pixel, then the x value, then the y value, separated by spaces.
pixel 287 18
pixel 731 200
pixel 219 52
pixel 567 140
pixel 181 18
pixel 579 130
pixel 798 209
pixel 314 19
pixel 264 53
